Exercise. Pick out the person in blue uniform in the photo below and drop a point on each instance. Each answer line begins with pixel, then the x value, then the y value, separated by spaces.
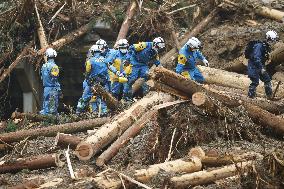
pixel 49 76
pixel 257 53
pixel 188 55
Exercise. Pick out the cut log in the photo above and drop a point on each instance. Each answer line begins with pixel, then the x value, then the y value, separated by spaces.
pixel 53 130
pixel 176 166
pixel 127 20
pixel 277 56
pixel 40 31
pixel 234 80
pixel 33 163
pixel 132 131
pixel 64 140
pixel 157 86
pixel 238 65
pixel 168 59
pixel 107 133
pixel 137 85
pixel 32 117
pixel 22 55
pixel 111 102
pixel 32 183
pixel 206 177
pixel 278 76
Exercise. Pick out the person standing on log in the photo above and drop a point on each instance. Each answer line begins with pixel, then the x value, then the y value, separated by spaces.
pixel 96 72
pixel 141 56
pixel 119 79
pixel 187 57
pixel 257 53
pixel 52 90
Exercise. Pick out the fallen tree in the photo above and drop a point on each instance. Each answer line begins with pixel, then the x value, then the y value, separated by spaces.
pixel 108 132
pixel 53 130
pixel 132 131
pixel 33 163
pixel 208 176
pixel 32 183
pixel 65 140
pixel 33 117
pixel 111 102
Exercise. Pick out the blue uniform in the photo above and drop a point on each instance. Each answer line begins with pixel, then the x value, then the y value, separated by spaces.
pixel 186 64
pixel 49 75
pixel 141 55
pixel 118 88
pixel 257 53
pixel 96 72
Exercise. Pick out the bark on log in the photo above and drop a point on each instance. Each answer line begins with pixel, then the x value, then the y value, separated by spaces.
pixel 168 59
pixel 107 133
pixel 205 177
pixel 28 184
pixel 33 163
pixel 234 80
pixel 40 31
pixel 65 140
pixel 32 117
pixel 277 56
pixel 111 102
pixel 137 85
pixel 176 166
pixel 4 147
pixel 127 20
pixel 155 85
pixel 53 130
pixel 68 38
pixel 238 65
pixel 132 132
pixel 16 62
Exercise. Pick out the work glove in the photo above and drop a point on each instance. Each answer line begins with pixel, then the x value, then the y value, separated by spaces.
pixel 126 63
pixel 206 63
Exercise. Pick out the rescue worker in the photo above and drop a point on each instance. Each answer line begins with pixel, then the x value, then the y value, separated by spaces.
pixel 187 57
pixel 52 91
pixel 96 73
pixel 257 53
pixel 119 79
pixel 141 57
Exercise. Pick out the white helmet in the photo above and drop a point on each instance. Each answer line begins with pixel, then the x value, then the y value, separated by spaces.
pixel 159 43
pixel 102 43
pixel 193 43
pixel 271 35
pixel 123 45
pixel 94 49
pixel 50 53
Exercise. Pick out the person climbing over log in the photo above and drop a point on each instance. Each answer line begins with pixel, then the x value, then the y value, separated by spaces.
pixel 187 57
pixel 141 56
pixel 121 63
pixel 52 90
pixel 257 53
pixel 96 73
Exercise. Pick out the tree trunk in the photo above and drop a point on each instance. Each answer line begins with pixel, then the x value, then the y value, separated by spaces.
pixel 234 80
pixel 168 59
pixel 137 85
pixel 16 62
pixel 40 31
pixel 52 131
pixel 132 132
pixel 127 20
pixel 32 117
pixel 238 65
pixel 107 133
pixel 68 38
pixel 33 163
pixel 270 13
pixel 155 85
pixel 111 102
pixel 176 166
pixel 276 57
pixel 206 176
pixel 65 140
pixel 278 76
pixel 33 183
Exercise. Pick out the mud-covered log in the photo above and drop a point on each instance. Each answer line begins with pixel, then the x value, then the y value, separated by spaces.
pixel 22 55
pixel 32 117
pixel 234 80
pixel 111 102
pixel 65 140
pixel 132 131
pixel 168 59
pixel 206 176
pixel 137 85
pixel 177 166
pixel 32 163
pixel 27 184
pixel 108 132
pixel 155 85
pixel 127 20
pixel 52 131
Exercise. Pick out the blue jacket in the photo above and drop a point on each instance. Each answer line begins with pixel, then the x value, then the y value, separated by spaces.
pixel 142 53
pixel 187 59
pixel 50 74
pixel 96 70
pixel 257 52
